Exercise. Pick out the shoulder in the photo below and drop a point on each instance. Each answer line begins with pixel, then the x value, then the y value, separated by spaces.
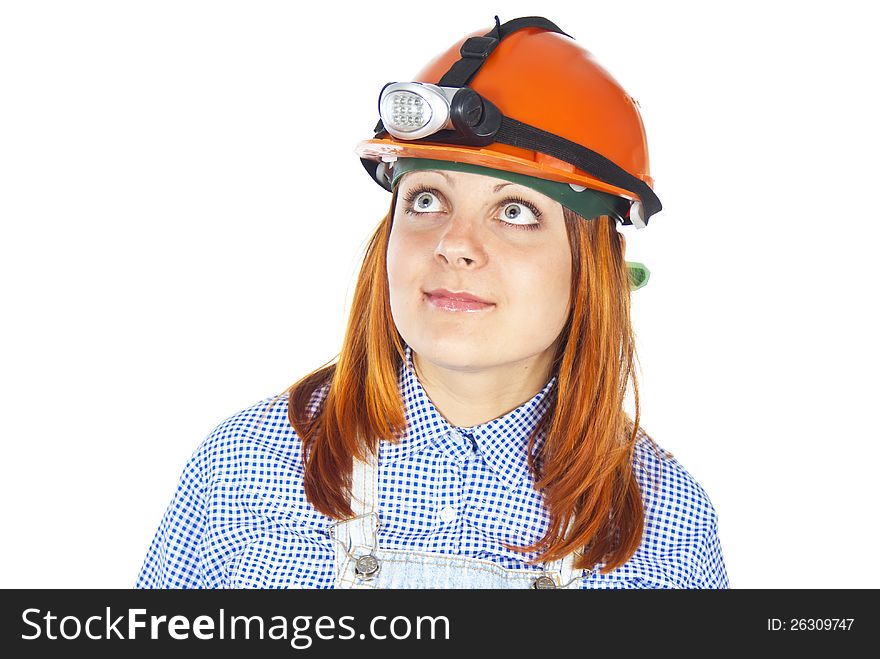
pixel 257 438
pixel 666 484
pixel 244 481
pixel 680 543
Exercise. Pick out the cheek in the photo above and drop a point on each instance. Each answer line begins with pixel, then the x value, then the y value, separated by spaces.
pixel 544 289
pixel 402 266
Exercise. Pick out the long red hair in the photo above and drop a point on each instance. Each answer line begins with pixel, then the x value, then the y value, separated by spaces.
pixel 585 465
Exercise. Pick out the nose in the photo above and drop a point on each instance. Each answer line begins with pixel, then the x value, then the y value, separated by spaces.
pixel 460 244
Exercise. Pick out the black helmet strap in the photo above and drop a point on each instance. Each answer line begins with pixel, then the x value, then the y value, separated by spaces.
pixel 475 50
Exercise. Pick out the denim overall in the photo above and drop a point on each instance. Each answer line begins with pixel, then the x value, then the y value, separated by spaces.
pixel 361 563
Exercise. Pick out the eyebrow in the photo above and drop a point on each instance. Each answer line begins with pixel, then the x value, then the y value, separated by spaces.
pixel 452 183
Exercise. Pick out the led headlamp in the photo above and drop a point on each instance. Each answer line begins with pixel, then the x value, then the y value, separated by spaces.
pixel 457 115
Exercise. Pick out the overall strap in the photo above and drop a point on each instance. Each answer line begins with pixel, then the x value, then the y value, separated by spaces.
pixel 567 572
pixel 364 502
pixel 357 535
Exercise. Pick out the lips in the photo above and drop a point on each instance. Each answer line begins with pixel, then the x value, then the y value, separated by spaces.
pixel 463 296
pixel 446 300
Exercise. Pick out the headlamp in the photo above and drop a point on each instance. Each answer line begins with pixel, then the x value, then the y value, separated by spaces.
pixel 457 115
pixel 411 110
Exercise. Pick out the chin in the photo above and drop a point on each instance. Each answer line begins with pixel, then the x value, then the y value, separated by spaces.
pixel 453 353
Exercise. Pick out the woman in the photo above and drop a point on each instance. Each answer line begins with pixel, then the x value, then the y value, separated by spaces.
pixel 471 433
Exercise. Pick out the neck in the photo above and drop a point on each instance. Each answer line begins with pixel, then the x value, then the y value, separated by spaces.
pixel 470 398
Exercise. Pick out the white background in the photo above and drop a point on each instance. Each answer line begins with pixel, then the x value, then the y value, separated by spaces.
pixel 183 216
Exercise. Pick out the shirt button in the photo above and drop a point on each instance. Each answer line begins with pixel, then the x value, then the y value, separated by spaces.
pixel 448 514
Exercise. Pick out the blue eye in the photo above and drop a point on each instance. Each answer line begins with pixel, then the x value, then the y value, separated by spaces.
pixel 519 214
pixel 422 201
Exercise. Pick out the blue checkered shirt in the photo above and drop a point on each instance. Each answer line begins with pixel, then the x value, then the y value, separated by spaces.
pixel 240 517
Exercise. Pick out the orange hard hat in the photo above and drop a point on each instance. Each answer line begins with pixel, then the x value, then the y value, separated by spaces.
pixel 562 116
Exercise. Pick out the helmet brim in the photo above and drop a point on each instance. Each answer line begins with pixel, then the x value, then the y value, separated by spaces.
pixel 545 166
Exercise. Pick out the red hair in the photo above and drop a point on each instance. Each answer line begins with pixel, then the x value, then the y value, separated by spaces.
pixel 585 465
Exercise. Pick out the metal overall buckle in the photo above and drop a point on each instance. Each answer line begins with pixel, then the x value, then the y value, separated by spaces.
pixel 366 566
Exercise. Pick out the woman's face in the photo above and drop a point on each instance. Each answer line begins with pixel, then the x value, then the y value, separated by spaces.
pixel 499 241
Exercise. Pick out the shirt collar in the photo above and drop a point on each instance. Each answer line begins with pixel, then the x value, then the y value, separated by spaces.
pixel 502 442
